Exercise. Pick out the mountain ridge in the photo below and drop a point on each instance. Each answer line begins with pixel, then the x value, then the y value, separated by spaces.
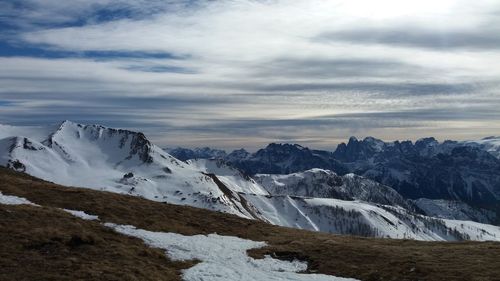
pixel 455 171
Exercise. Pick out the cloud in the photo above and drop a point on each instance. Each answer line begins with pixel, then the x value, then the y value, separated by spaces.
pixel 242 73
pixel 385 89
pixel 434 39
pixel 336 68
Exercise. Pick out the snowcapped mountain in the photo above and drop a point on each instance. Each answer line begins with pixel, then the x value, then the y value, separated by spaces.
pixel 428 169
pixel 306 200
pixel 466 172
pixel 112 160
pixel 127 162
pixel 327 184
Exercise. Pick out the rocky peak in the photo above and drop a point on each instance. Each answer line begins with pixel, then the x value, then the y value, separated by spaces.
pixel 238 154
pixel 356 150
pixel 426 142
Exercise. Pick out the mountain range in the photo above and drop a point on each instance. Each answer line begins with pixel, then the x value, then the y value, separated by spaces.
pixel 319 199
pixel 456 179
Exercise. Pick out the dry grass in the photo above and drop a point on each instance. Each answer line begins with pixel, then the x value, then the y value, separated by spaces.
pixel 48 244
pixel 362 258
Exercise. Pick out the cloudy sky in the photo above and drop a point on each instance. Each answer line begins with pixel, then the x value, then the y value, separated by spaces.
pixel 244 73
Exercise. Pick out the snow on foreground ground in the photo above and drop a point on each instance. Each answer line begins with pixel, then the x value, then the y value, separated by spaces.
pixel 223 258
pixel 82 215
pixel 14 200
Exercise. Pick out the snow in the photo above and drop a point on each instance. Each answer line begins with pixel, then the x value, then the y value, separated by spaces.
pixel 231 177
pixel 456 210
pixel 327 184
pixel 82 215
pixel 14 200
pixel 477 231
pixel 361 218
pixel 223 258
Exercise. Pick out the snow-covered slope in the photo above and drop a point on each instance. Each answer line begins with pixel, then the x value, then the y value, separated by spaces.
pixel 455 210
pixel 231 177
pixel 113 160
pixel 360 218
pixel 327 184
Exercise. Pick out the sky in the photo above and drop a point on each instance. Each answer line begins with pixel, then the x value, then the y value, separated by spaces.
pixel 244 73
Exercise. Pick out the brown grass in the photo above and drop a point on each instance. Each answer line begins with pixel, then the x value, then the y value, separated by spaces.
pixel 48 244
pixel 362 258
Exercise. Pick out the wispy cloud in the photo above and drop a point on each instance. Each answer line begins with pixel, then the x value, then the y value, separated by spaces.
pixel 195 72
pixel 434 39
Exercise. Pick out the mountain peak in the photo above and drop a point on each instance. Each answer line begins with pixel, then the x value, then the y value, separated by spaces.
pixel 427 141
pixel 284 146
pixel 372 139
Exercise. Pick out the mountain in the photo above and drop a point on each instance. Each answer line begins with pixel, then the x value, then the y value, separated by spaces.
pixel 126 162
pixel 327 184
pixel 450 171
pixel 184 154
pixel 276 158
pixel 466 172
pixel 70 233
pixel 426 169
pixel 490 144
pixel 113 160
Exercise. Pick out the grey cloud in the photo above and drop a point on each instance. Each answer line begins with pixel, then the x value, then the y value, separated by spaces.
pixel 393 89
pixel 481 39
pixel 268 126
pixel 161 69
pixel 332 68
pixel 466 113
pixel 94 101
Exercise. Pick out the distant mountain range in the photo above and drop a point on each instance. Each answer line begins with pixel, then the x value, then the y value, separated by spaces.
pixel 315 198
pixel 465 174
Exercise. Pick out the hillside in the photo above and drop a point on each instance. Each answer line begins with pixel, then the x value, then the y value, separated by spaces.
pixel 80 249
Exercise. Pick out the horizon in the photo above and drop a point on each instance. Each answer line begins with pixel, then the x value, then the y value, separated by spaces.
pixel 168 146
pixel 246 73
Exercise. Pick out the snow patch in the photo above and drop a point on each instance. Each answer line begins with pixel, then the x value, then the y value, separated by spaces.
pixel 82 215
pixel 223 258
pixel 14 200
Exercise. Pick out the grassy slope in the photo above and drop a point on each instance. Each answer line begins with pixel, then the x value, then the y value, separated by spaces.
pixel 115 255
